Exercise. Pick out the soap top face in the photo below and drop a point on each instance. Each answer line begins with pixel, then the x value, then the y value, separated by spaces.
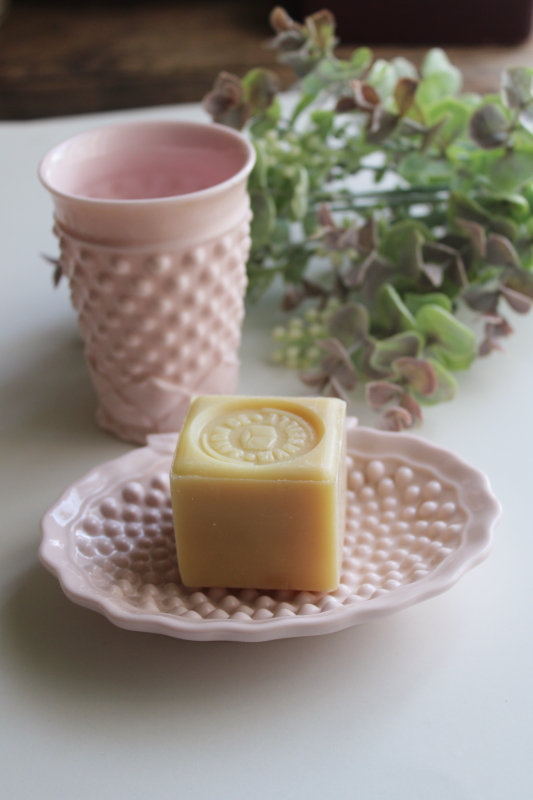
pixel 276 438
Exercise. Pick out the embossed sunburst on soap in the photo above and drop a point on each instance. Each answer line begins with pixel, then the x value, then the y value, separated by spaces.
pixel 258 493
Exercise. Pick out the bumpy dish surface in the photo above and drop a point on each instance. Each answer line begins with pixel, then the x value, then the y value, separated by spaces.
pixel 418 518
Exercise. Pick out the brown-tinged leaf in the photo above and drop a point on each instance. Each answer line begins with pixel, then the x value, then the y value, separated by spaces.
pixel 500 328
pixel 412 407
pixel 493 332
pixel 336 390
pixel 520 303
pixel 431 133
pixel 357 272
pixel 489 127
pixel 520 280
pixel 225 103
pixel 314 289
pixel 324 217
pixel 448 258
pixel 227 93
pixel 378 272
pixel 395 419
pixel 363 357
pixel 485 301
pixel 293 297
pixel 404 94
pixel 349 237
pixel 368 236
pixel 365 96
pixel 281 22
pixel 416 373
pixel 321 30
pixel 316 380
pixel 381 125
pixel 501 252
pixel 410 262
pixel 381 393
pixel 261 87
pixel 476 234
pixel 434 273
pixel 345 104
pixel 58 269
pixel 516 87
pixel 287 41
pixel 349 324
pixel 486 346
pixel 410 126
pixel 337 363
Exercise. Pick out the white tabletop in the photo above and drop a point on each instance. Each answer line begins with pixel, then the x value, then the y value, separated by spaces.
pixel 434 703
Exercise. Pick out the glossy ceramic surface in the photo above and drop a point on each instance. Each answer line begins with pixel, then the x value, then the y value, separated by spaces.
pixel 158 280
pixel 418 518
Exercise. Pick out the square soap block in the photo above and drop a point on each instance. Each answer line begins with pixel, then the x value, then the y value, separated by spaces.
pixel 258 489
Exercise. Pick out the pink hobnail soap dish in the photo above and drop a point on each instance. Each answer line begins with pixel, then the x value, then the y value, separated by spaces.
pixel 418 518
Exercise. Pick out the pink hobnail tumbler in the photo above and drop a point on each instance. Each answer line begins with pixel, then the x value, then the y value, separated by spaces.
pixel 153 222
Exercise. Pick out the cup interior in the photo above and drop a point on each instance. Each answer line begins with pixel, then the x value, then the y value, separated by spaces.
pixel 146 161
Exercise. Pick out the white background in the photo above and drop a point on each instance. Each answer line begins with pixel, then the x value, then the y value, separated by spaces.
pixel 434 703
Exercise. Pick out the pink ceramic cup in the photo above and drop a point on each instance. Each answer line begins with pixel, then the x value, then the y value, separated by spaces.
pixel 153 222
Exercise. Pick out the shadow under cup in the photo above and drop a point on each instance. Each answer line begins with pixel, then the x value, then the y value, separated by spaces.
pixel 153 223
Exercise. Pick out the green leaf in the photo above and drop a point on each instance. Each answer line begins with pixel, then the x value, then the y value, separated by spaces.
pixel 516 87
pixel 504 227
pixel 398 238
pixel 404 68
pixel 312 85
pixel 455 114
pixel 300 195
pixel 281 232
pixel 264 216
pixel 436 62
pixel 506 205
pixel 446 386
pixel 259 279
pixel 414 302
pixel 448 340
pixel 461 205
pixel 258 176
pixel 512 171
pixel 297 257
pixel 266 120
pixel 391 313
pixel 382 77
pixel 310 223
pixel 423 169
pixel 260 87
pixel 360 60
pixel 435 87
pixel 323 122
pixel 386 351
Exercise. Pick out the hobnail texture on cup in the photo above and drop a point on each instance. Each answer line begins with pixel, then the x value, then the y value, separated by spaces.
pixel 158 283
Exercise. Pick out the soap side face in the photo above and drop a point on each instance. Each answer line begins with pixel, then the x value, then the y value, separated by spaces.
pixel 258 493
pixel 257 534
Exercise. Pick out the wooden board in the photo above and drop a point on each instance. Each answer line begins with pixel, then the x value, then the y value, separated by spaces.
pixel 60 58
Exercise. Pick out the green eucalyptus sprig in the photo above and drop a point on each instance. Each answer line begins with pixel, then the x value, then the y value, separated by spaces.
pixel 451 229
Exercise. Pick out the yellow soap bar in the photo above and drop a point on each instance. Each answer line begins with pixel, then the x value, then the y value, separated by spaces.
pixel 258 489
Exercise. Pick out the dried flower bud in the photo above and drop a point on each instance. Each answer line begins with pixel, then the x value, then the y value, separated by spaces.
pixel 281 21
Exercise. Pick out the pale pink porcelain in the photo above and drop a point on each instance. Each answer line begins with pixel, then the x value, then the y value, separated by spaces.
pixel 153 223
pixel 418 518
